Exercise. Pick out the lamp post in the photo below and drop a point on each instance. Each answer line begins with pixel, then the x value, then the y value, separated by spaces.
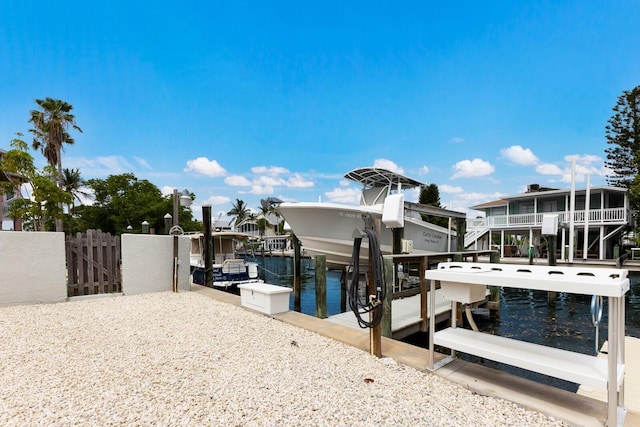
pixel 176 230
pixel 167 223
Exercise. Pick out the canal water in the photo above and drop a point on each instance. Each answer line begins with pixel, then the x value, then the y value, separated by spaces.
pixel 524 314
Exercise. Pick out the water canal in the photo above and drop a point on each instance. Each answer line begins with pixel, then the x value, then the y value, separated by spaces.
pixel 523 314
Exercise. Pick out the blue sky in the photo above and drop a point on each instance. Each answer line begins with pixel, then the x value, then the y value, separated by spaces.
pixel 247 100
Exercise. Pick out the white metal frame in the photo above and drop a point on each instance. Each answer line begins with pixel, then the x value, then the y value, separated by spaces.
pixel 612 283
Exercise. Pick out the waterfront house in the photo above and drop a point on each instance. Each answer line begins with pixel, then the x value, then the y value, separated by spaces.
pixel 8 196
pixel 513 224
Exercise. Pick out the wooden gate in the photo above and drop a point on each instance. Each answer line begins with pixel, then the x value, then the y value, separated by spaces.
pixel 93 263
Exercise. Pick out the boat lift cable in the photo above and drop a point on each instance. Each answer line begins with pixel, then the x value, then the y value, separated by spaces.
pixel 359 302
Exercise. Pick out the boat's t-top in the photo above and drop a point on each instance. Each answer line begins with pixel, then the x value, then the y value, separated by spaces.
pixel 378 183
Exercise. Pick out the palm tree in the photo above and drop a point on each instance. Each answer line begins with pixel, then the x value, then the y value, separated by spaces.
pixel 71 183
pixel 51 123
pixel 240 210
pixel 268 206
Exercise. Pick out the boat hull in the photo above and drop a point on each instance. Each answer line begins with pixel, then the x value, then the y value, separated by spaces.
pixel 326 228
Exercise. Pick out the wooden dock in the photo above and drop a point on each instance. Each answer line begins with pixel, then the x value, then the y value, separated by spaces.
pixel 631 376
pixel 405 315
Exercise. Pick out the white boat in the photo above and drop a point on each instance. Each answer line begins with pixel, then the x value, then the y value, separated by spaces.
pixel 328 228
pixel 229 270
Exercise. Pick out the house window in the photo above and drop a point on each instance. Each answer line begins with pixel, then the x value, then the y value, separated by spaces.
pixel 550 206
pixel 502 210
pixel 525 208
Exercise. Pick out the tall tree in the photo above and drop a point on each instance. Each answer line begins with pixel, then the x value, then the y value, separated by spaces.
pixel 239 210
pixel 123 200
pixel 51 124
pixel 623 154
pixel 72 183
pixel 430 196
pixel 40 210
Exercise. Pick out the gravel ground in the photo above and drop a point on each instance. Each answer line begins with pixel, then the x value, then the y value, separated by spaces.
pixel 183 359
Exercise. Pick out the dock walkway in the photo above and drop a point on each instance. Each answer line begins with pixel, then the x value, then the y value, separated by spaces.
pixel 405 315
pixel 631 376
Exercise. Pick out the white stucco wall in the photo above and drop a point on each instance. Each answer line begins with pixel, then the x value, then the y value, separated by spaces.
pixel 32 268
pixel 147 263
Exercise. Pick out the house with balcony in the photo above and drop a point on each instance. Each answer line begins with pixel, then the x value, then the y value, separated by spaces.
pixel 8 196
pixel 513 224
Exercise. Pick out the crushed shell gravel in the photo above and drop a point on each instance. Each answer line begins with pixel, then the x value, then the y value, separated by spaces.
pixel 183 359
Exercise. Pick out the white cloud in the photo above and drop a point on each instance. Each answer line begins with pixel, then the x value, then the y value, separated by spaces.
pixel 344 195
pixel 472 168
pixel 271 170
pixel 297 181
pixel 100 166
pixel 237 181
pixel 423 170
pixel 586 164
pixel 166 190
pixel 204 166
pixel 217 200
pixel 142 162
pixel 457 139
pixel 262 189
pixel 389 165
pixel 445 188
pixel 268 181
pixel 519 155
pixel 548 169
pixel 584 159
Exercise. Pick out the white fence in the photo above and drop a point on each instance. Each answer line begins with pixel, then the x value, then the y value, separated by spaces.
pixel 32 266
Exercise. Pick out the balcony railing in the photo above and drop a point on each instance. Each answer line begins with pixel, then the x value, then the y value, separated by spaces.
pixel 596 217
pixel 5 205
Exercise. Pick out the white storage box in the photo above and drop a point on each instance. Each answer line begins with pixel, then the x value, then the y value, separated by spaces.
pixel 269 299
pixel 465 293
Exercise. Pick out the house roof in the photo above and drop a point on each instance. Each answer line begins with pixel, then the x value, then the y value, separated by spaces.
pixel 491 204
pixel 565 191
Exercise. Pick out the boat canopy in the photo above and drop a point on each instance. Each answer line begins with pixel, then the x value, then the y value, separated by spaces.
pixel 376 177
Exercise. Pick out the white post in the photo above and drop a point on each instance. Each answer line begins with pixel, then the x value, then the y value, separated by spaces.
pixel 585 246
pixel 572 208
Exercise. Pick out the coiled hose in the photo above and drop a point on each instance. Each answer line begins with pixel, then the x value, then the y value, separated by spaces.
pixel 368 304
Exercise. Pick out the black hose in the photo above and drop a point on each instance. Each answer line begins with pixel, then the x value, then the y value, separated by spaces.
pixel 365 305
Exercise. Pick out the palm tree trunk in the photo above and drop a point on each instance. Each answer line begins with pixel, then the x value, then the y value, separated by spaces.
pixel 59 223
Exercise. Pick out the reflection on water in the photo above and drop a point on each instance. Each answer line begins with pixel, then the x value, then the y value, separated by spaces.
pixel 523 314
pixel 279 271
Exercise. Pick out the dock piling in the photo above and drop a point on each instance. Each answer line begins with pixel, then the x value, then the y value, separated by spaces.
pixel 321 286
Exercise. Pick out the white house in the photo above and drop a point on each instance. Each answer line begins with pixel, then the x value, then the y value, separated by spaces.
pixel 601 217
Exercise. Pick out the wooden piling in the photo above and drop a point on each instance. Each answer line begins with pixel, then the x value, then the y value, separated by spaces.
pixel 385 324
pixel 494 297
pixel 297 274
pixel 375 333
pixel 208 246
pixel 321 286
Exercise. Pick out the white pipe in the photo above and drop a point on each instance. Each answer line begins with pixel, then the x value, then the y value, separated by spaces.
pixel 572 208
pixel 585 246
